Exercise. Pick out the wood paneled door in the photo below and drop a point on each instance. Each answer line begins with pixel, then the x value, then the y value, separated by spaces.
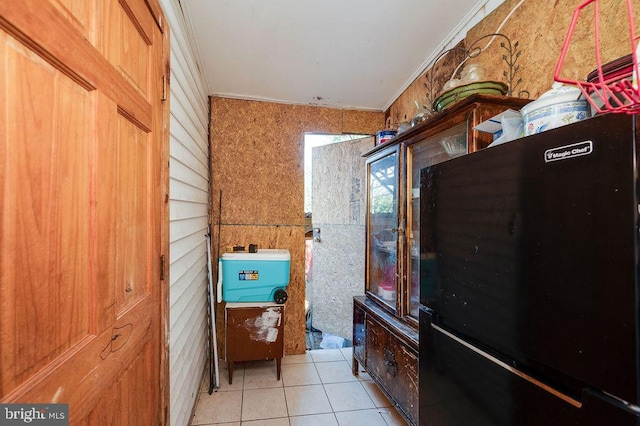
pixel 83 208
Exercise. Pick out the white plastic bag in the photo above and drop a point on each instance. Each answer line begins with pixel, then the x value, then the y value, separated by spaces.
pixel 512 128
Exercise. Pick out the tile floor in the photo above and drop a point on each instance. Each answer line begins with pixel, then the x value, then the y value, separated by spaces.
pixel 316 389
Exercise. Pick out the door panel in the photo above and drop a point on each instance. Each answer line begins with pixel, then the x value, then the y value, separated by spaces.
pixel 131 232
pixel 44 239
pixel 135 25
pixel 134 395
pixel 338 211
pixel 128 393
pixel 82 219
pixel 79 14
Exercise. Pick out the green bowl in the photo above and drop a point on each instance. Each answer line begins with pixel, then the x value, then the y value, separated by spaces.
pixel 461 92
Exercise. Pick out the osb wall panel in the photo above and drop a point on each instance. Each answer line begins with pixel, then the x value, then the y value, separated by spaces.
pixel 257 163
pixel 363 122
pixel 342 201
pixel 425 89
pixel 540 29
pixel 258 154
pixel 541 33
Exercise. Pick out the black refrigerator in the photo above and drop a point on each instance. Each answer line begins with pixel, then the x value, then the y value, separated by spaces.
pixel 529 281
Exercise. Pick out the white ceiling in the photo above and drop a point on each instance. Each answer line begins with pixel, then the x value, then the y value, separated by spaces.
pixel 337 53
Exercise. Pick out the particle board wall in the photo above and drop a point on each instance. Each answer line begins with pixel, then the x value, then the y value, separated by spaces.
pixel 541 33
pixel 540 29
pixel 257 161
pixel 424 90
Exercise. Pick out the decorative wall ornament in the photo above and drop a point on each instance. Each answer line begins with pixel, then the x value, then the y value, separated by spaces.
pixel 510 58
pixel 434 86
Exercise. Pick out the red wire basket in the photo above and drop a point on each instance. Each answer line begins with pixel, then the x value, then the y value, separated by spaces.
pixel 611 87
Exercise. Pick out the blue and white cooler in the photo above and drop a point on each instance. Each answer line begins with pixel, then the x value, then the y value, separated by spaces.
pixel 262 276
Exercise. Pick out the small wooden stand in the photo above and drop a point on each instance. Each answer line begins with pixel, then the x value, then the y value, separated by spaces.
pixel 254 332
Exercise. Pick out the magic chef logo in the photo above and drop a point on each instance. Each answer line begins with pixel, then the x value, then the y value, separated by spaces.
pixel 568 151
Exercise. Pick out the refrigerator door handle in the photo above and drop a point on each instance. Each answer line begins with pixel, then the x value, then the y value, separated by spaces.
pixel 511 369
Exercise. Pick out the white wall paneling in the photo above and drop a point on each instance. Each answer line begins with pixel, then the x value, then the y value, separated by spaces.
pixel 188 215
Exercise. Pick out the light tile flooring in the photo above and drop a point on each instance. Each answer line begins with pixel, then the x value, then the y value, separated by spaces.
pixel 316 389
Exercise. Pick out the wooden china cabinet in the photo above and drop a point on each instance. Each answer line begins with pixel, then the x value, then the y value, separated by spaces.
pixel 385 320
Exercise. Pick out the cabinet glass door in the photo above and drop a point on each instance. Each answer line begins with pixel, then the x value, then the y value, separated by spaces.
pixel 382 227
pixel 441 147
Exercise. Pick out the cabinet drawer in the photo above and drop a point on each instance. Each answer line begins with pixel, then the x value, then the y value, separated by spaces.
pixel 377 338
pixel 403 387
pixel 394 366
pixel 388 350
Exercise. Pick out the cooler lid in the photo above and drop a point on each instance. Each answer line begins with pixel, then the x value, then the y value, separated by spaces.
pixel 261 254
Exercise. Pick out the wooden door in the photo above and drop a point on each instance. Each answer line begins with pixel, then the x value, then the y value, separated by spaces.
pixel 83 214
